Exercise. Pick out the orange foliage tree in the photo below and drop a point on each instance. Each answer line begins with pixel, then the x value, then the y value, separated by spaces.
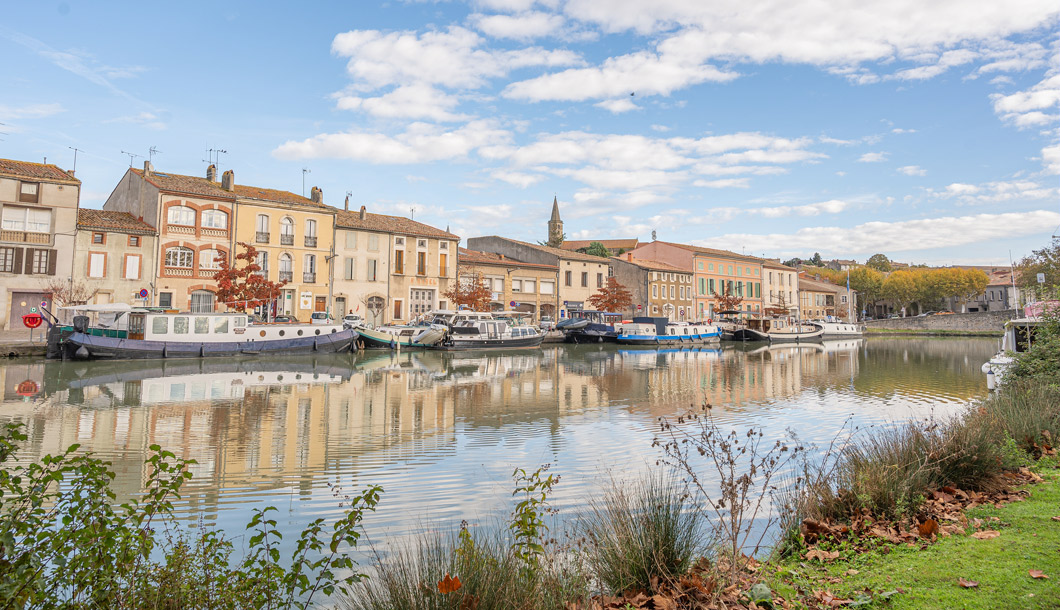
pixel 612 297
pixel 470 289
pixel 727 299
pixel 243 287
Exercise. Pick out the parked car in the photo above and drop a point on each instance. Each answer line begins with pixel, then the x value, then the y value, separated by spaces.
pixel 352 321
pixel 320 317
pixel 547 323
pixel 285 320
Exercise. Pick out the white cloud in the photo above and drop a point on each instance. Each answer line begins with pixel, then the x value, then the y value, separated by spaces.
pixel 724 183
pixel 622 104
pixel 524 26
pixel 1051 159
pixel 912 170
pixel 997 191
pixel 833 206
pixel 1029 108
pixel 660 128
pixel 420 143
pixel 872 157
pixel 30 111
pixel 900 130
pixel 519 179
pixel 900 236
pixel 147 119
pixel 415 101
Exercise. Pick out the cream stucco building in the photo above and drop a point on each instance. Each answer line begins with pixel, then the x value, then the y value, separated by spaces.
pixel 115 255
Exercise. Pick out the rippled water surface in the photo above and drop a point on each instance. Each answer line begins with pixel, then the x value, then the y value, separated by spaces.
pixel 442 432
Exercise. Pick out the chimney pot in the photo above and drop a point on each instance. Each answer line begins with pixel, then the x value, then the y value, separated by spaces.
pixel 363 213
pixel 228 180
pixel 211 173
pixel 347 203
pixel 629 256
pixel 148 168
pixel 316 195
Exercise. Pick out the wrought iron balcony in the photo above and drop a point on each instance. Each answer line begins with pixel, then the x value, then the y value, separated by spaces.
pixel 310 242
pixel 286 239
pixel 261 237
pixel 309 277
pixel 286 276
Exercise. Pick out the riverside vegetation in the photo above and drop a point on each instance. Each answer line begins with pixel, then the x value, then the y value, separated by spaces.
pixel 731 520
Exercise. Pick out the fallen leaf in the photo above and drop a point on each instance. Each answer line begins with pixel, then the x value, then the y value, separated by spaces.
pixel 1037 574
pixel 967 584
pixel 822 555
pixel 1056 518
pixel 663 603
pixel 449 584
pixel 986 534
pixel 851 572
pixel 928 528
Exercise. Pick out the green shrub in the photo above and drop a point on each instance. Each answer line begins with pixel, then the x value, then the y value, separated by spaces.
pixel 1024 409
pixel 641 535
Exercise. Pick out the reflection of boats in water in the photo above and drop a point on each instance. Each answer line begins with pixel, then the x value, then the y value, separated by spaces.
pixel 660 331
pixel 590 327
pixel 838 330
pixel 403 337
pixel 483 330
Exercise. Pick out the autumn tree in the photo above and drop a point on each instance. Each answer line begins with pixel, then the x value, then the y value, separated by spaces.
pixel 243 287
pixel 612 297
pixel 69 291
pixel 470 290
pixel 903 287
pixel 1045 261
pixel 879 262
pixel 598 249
pixel 868 283
pixel 727 299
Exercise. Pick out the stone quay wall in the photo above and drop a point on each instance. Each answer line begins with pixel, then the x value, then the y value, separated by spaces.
pixel 982 321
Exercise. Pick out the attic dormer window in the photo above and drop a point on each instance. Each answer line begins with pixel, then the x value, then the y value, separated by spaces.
pixel 399 241
pixel 443 246
pixel 29 192
pixel 422 243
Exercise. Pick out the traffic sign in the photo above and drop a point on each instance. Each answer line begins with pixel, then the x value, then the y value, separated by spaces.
pixel 43 304
pixel 143 293
pixel 33 310
pixel 1041 278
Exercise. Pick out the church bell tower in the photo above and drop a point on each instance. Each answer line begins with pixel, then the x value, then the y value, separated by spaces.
pixel 555 226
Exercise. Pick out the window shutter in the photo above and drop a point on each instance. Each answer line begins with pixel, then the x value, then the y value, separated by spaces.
pixel 27 263
pixel 52 258
pixel 16 266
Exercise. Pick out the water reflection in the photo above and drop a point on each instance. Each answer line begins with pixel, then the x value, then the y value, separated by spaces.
pixel 442 431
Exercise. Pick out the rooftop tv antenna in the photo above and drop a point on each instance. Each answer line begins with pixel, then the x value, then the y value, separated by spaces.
pixel 151 154
pixel 412 213
pixel 76 150
pixel 305 170
pixel 131 156
pixel 213 156
pixel 3 133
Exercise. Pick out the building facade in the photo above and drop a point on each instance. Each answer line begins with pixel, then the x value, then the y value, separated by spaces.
pixel 579 275
pixel 115 253
pixel 658 289
pixel 38 208
pixel 391 269
pixel 515 285
pixel 780 287
pixel 819 299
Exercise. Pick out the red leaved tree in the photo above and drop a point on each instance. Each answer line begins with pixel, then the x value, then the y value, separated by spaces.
pixel 243 287
pixel 612 297
pixel 470 289
pixel 727 301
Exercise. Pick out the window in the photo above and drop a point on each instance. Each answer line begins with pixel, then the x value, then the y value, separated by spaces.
pixel 671 292
pixel 739 271
pixel 517 285
pixel 180 325
pixel 421 263
pixel 397 309
pixel 132 266
pixel 399 261
pixel 702 286
pixel 710 266
pixel 730 269
pixel 202 325
pixel 443 245
pixel 599 280
pixel 309 264
pixel 42 262
pixel 262 262
pixel 27 219
pixel 165 299
pixel 351 240
pixel 548 287
pixel 286 231
pixel 181 215
pixel 262 223
pixel 97 262
pixel 654 291
pixel 710 289
pixel 566 278
pixel 399 241
pixel 286 267
pixel 214 219
pixel 421 243
pixel 134 241
pixel 310 228
pixel 29 192
pixel 348 268
pixel 443 264
pixel 201 302
pixel 160 325
pixel 7 260
pixel 585 279
pixel 208 258
pixel 220 326
pixel 371 275
pixel 498 284
pixel 99 238
pixel 373 243
pixel 529 286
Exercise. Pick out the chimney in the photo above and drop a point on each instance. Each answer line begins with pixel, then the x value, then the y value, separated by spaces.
pixel 148 168
pixel 211 173
pixel 228 180
pixel 316 195
pixel 363 213
pixel 629 257
pixel 347 203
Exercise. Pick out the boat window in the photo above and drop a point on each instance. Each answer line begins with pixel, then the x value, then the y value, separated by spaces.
pixel 160 325
pixel 202 325
pixel 180 325
pixel 684 331
pixel 240 322
pixel 220 326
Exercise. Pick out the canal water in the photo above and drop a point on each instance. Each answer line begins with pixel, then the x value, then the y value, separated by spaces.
pixel 442 432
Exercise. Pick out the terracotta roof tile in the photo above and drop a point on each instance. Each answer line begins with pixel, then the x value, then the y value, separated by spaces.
pixel 474 257
pixel 818 286
pixel 389 224
pixel 566 254
pixel 189 185
pixel 36 171
pixel 653 265
pixel 264 194
pixel 578 244
pixel 713 251
pixel 123 222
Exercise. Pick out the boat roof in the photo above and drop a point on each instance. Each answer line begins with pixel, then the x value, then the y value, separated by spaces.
pixel 100 308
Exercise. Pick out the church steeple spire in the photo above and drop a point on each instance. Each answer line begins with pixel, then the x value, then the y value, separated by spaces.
pixel 555 225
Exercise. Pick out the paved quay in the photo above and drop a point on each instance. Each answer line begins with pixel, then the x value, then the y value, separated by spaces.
pixel 17 344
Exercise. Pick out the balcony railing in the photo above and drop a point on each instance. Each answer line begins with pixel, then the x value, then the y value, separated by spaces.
pixel 180 229
pixel 286 240
pixel 207 232
pixel 310 242
pixel 179 271
pixel 286 276
pixel 309 277
pixel 261 237
pixel 27 237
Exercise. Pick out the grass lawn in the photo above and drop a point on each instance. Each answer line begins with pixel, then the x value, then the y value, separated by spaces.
pixel 1029 540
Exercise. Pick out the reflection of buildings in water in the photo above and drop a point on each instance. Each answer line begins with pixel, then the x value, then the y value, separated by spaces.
pixel 944 366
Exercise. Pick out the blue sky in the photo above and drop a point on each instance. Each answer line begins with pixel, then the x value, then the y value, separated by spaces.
pixel 924 130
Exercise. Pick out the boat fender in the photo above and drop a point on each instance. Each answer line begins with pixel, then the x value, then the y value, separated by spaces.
pixel 202 351
pixel 314 345
pixel 164 348
pixel 81 353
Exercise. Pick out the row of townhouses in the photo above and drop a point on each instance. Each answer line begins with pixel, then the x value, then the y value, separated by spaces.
pixel 159 237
